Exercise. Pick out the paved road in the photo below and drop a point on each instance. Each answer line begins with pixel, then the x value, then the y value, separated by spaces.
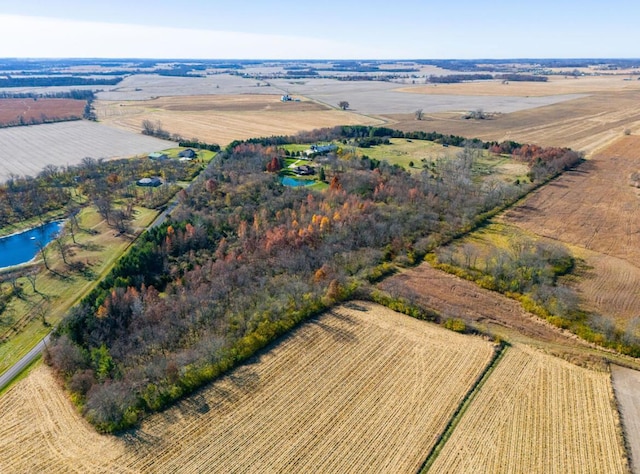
pixel 22 364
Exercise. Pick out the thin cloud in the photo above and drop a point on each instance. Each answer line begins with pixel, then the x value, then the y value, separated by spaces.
pixel 27 36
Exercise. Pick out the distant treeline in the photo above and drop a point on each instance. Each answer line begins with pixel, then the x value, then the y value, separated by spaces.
pixel 56 81
pixel 78 94
pixel 456 78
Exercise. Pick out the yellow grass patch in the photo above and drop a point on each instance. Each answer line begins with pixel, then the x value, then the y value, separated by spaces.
pixel 359 389
pixel 537 414
pixel 222 119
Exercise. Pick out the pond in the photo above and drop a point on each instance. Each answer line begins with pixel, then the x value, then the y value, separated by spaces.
pixel 295 182
pixel 23 247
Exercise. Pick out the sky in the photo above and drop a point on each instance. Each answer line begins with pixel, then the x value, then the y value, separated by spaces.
pixel 326 29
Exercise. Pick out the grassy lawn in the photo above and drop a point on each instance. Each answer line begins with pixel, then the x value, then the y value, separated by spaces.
pixel 35 313
pixel 403 151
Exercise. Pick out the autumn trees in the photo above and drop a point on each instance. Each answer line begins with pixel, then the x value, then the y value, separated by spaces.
pixel 243 260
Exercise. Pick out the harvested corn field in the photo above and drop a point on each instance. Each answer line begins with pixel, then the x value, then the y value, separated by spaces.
pixel 359 389
pixel 537 413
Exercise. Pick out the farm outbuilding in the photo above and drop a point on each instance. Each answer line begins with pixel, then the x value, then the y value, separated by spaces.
pixel 158 156
pixel 149 182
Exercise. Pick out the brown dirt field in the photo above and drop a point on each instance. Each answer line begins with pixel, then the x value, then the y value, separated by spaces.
pixel 492 313
pixel 537 414
pixel 626 383
pixel 595 208
pixel 585 124
pixel 359 389
pixel 453 297
pixel 222 119
pixel 554 86
pixel 12 109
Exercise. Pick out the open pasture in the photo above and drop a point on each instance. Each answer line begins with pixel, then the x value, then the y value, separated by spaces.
pixel 597 209
pixel 17 111
pixel 359 389
pixel 222 119
pixel 537 414
pixel 27 150
pixel 421 153
pixel 585 123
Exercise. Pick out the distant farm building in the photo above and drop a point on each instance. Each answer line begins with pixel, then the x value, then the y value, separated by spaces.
pixel 149 182
pixel 285 98
pixel 158 156
pixel 188 153
pixel 321 149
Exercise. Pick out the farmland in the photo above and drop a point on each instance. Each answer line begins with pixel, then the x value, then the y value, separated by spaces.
pixel 453 297
pixel 360 388
pixel 27 150
pixel 383 98
pixel 222 119
pixel 322 400
pixel 537 414
pixel 25 111
pixel 596 209
pixel 584 123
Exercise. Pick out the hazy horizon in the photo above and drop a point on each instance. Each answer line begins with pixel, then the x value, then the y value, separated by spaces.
pixel 331 29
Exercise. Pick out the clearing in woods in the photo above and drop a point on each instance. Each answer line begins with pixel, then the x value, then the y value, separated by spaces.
pixel 537 414
pixel 358 389
pixel 224 118
pixel 596 210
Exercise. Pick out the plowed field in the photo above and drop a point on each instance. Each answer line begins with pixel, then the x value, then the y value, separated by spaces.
pixel 453 297
pixel 12 111
pixel 537 414
pixel 360 389
pixel 584 124
pixel 595 208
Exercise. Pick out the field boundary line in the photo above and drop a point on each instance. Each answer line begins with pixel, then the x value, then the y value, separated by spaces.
pixel 444 436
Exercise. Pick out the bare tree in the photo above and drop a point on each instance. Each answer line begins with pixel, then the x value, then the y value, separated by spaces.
pixel 343 104
pixel 418 114
pixel 42 248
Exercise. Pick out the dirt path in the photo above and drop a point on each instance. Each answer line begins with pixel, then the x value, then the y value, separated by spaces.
pixel 626 383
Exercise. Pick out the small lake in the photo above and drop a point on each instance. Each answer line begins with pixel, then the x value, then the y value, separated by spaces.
pixel 23 247
pixel 295 182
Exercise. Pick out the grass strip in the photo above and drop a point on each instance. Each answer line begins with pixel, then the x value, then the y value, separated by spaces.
pixel 462 408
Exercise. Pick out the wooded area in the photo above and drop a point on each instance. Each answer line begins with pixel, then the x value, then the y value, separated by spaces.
pixel 244 259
